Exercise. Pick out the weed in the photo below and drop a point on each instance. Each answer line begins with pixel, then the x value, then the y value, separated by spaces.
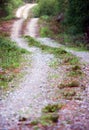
pixel 54 63
pixel 54 76
pixel 76 67
pixel 45 122
pixel 36 128
pixel 71 59
pixel 69 94
pixel 74 60
pixel 75 73
pixel 52 108
pixel 45 32
pixel 46 119
pixel 50 117
pixel 75 70
pixel 34 122
pixel 71 84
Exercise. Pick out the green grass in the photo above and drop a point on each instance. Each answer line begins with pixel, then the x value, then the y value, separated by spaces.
pixel 52 108
pixel 10 58
pixel 75 70
pixel 69 94
pixel 71 59
pixel 58 52
pixel 65 57
pixel 75 73
pixel 10 54
pixel 45 32
pixel 49 115
pixel 73 42
pixel 54 63
pixel 53 76
pixel 9 17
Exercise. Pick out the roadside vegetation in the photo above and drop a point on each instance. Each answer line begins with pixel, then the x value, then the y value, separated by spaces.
pixel 65 21
pixel 73 73
pixel 49 115
pixel 7 8
pixel 10 59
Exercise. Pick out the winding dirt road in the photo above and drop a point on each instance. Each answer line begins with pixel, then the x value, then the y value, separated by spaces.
pixel 31 95
pixel 34 90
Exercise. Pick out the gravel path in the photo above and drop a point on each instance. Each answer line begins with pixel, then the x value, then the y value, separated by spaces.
pixel 31 95
pixel 31 28
pixel 23 11
pixel 84 56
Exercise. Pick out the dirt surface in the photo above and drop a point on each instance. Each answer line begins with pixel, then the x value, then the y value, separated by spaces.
pixel 5 26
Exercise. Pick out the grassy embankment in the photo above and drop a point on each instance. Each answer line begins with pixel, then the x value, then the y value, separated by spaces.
pixel 10 59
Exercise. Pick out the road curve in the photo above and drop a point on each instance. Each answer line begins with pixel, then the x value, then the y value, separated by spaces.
pixel 32 92
pixel 23 11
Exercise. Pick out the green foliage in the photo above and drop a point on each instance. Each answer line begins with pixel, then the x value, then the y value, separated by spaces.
pixel 46 7
pixel 9 6
pixel 62 5
pixel 54 64
pixel 52 108
pixel 49 115
pixel 49 118
pixel 46 119
pixel 71 59
pixel 58 52
pixel 10 58
pixel 45 32
pixel 45 17
pixel 77 15
pixel 69 94
pixel 10 54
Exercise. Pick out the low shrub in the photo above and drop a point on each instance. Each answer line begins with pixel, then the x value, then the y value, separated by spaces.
pixel 46 7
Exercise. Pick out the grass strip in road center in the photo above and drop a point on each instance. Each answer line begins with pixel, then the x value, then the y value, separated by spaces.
pixel 67 57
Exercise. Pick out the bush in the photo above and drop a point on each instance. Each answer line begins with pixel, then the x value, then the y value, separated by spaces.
pixel 46 7
pixel 9 6
pixel 77 16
